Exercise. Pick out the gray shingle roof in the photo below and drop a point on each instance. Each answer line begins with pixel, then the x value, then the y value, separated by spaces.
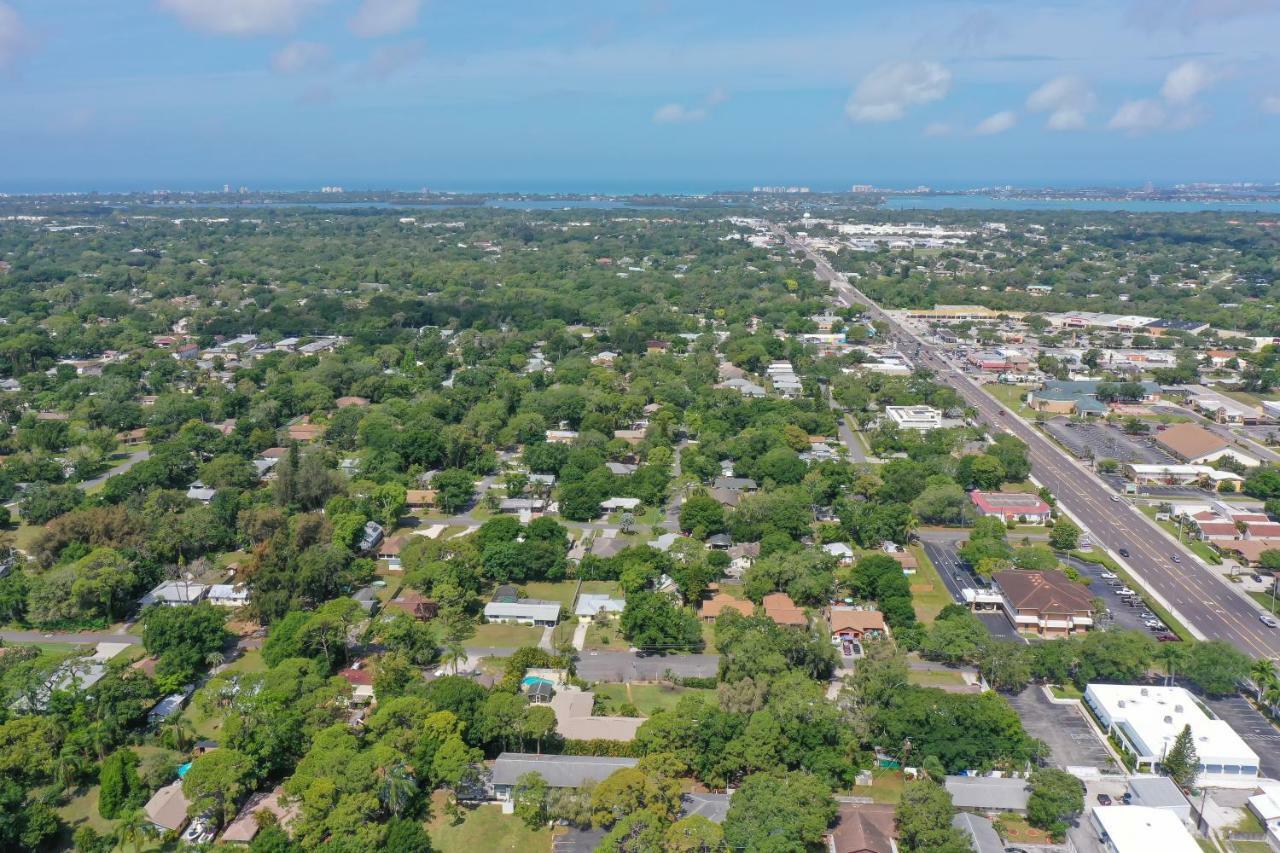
pixel 559 771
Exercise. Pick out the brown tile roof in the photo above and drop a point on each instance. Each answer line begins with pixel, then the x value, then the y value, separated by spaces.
pixel 1249 549
pixel 864 828
pixel 1189 441
pixel 305 432
pixel 779 607
pixel 1044 592
pixel 245 826
pixel 858 621
pixel 713 607
pixel 344 402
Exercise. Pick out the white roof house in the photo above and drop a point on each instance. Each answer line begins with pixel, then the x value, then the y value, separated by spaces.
pixel 1147 720
pixel 526 610
pixel 619 503
pixel 175 594
pixel 589 604
pixel 923 418
pixel 228 595
pixel 1138 829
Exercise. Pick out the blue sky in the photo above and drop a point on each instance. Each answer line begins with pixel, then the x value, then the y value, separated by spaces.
pixel 634 94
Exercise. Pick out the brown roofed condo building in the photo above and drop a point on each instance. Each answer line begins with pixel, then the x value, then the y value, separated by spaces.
pixel 1048 604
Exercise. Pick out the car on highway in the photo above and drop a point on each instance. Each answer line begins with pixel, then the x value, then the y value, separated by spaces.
pixel 1124 552
pixel 1267 620
pixel 1176 558
pixel 1115 499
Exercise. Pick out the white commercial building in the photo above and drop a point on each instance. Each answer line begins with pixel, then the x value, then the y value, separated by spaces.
pixel 1139 829
pixel 923 418
pixel 1147 720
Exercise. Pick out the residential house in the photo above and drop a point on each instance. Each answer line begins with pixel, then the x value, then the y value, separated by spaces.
pixel 167 808
pixel 304 432
pixel 416 499
pixel 228 595
pixel 719 603
pixel 981 834
pixel 360 678
pixel 200 492
pixel 863 828
pixel 558 771
pixel 575 720
pixel 370 537
pixel 988 794
pixel 415 604
pixel 175 594
pixel 621 469
pixel 742 557
pixel 1048 604
pixel 841 551
pixel 630 436
pixel 389 551
pixel 779 607
pixel 619 504
pixel 245 827
pixel 850 626
pixel 351 402
pixel 736 484
pixel 590 605
pixel 526 611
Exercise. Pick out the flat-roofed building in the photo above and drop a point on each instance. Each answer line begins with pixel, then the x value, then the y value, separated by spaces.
pixel 1137 829
pixel 1147 720
pixel 1011 506
pixel 922 418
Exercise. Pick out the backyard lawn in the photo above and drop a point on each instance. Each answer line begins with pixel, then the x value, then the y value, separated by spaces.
pixel 561 591
pixel 82 809
pixel 483 828
pixel 605 636
pixel 886 787
pixel 498 636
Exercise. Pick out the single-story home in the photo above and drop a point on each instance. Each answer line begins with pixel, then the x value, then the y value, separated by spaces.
pixel 415 604
pixel 988 794
pixel 558 771
pixel 175 594
pixel 851 625
pixel 779 607
pixel 526 611
pixel 167 808
pixel 863 828
pixel 243 829
pixel 228 595
pixel 619 503
pixel 591 604
pixel 719 603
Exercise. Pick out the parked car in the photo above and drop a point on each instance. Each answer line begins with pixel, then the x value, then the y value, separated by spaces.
pixel 1257 578
pixel 1108 576
pixel 1168 637
pixel 1104 800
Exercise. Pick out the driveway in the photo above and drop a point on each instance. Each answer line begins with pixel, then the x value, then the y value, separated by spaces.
pixel 957 575
pixel 1072 741
pixel 575 840
pixel 629 666
pixel 129 461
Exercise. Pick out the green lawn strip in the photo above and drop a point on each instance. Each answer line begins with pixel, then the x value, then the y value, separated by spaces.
pixel 1268 603
pixel 500 636
pixel 1154 606
pixel 1066 691
pixel 928 604
pixel 709 638
pixel 648 698
pixel 1011 396
pixel 935 678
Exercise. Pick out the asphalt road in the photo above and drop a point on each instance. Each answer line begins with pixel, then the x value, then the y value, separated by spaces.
pixel 1253 728
pixel 629 666
pixel 1198 597
pixel 956 574
pixel 75 639
pixel 850 441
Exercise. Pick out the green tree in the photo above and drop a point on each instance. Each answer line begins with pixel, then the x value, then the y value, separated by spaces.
pixel 779 811
pixel 924 820
pixel 651 621
pixel 1216 667
pixel 217 781
pixel 455 489
pixel 693 834
pixel 1056 798
pixel 1064 536
pixel 1181 763
pixel 121 790
pixel 530 798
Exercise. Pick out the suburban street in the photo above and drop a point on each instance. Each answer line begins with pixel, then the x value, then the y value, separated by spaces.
pixel 1197 596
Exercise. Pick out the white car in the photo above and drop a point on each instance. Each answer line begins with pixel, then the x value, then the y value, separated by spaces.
pixel 1107 576
pixel 1268 621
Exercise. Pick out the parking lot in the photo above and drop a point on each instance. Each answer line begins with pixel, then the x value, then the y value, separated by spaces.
pixel 1072 741
pixel 1103 441
pixel 1122 615
pixel 958 575
pixel 1253 728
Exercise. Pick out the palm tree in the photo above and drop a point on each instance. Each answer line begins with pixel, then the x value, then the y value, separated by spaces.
pixel 69 768
pixel 1263 673
pixel 215 659
pixel 1271 696
pixel 179 732
pixel 132 829
pixel 397 789
pixel 454 653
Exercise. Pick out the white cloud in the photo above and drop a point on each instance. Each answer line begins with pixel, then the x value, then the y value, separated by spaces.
pixel 678 114
pixel 299 56
pixel 13 36
pixel 1186 81
pixel 1142 116
pixel 390 59
pixel 1271 104
pixel 938 128
pixel 1068 100
pixel 887 92
pixel 241 17
pixel 377 18
pixel 996 123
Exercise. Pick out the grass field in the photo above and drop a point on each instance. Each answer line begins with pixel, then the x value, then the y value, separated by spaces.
pixel 709 638
pixel 1066 691
pixel 561 591
pixel 928 604
pixel 886 787
pixel 1011 396
pixel 483 828
pixel 82 809
pixel 935 678
pixel 648 698
pixel 499 636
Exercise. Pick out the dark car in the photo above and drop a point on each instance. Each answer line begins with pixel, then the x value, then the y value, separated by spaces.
pixel 1168 637
pixel 1124 552
pixel 1104 800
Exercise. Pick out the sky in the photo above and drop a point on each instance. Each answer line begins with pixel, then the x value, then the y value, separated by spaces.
pixel 634 95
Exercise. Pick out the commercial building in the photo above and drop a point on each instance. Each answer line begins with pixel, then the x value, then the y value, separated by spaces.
pixel 922 418
pixel 1159 792
pixel 1137 829
pixel 1079 397
pixel 1011 506
pixel 1048 604
pixel 1179 475
pixel 1147 720
pixel 1198 446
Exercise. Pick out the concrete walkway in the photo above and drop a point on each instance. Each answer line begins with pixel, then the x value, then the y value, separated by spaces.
pixel 580 635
